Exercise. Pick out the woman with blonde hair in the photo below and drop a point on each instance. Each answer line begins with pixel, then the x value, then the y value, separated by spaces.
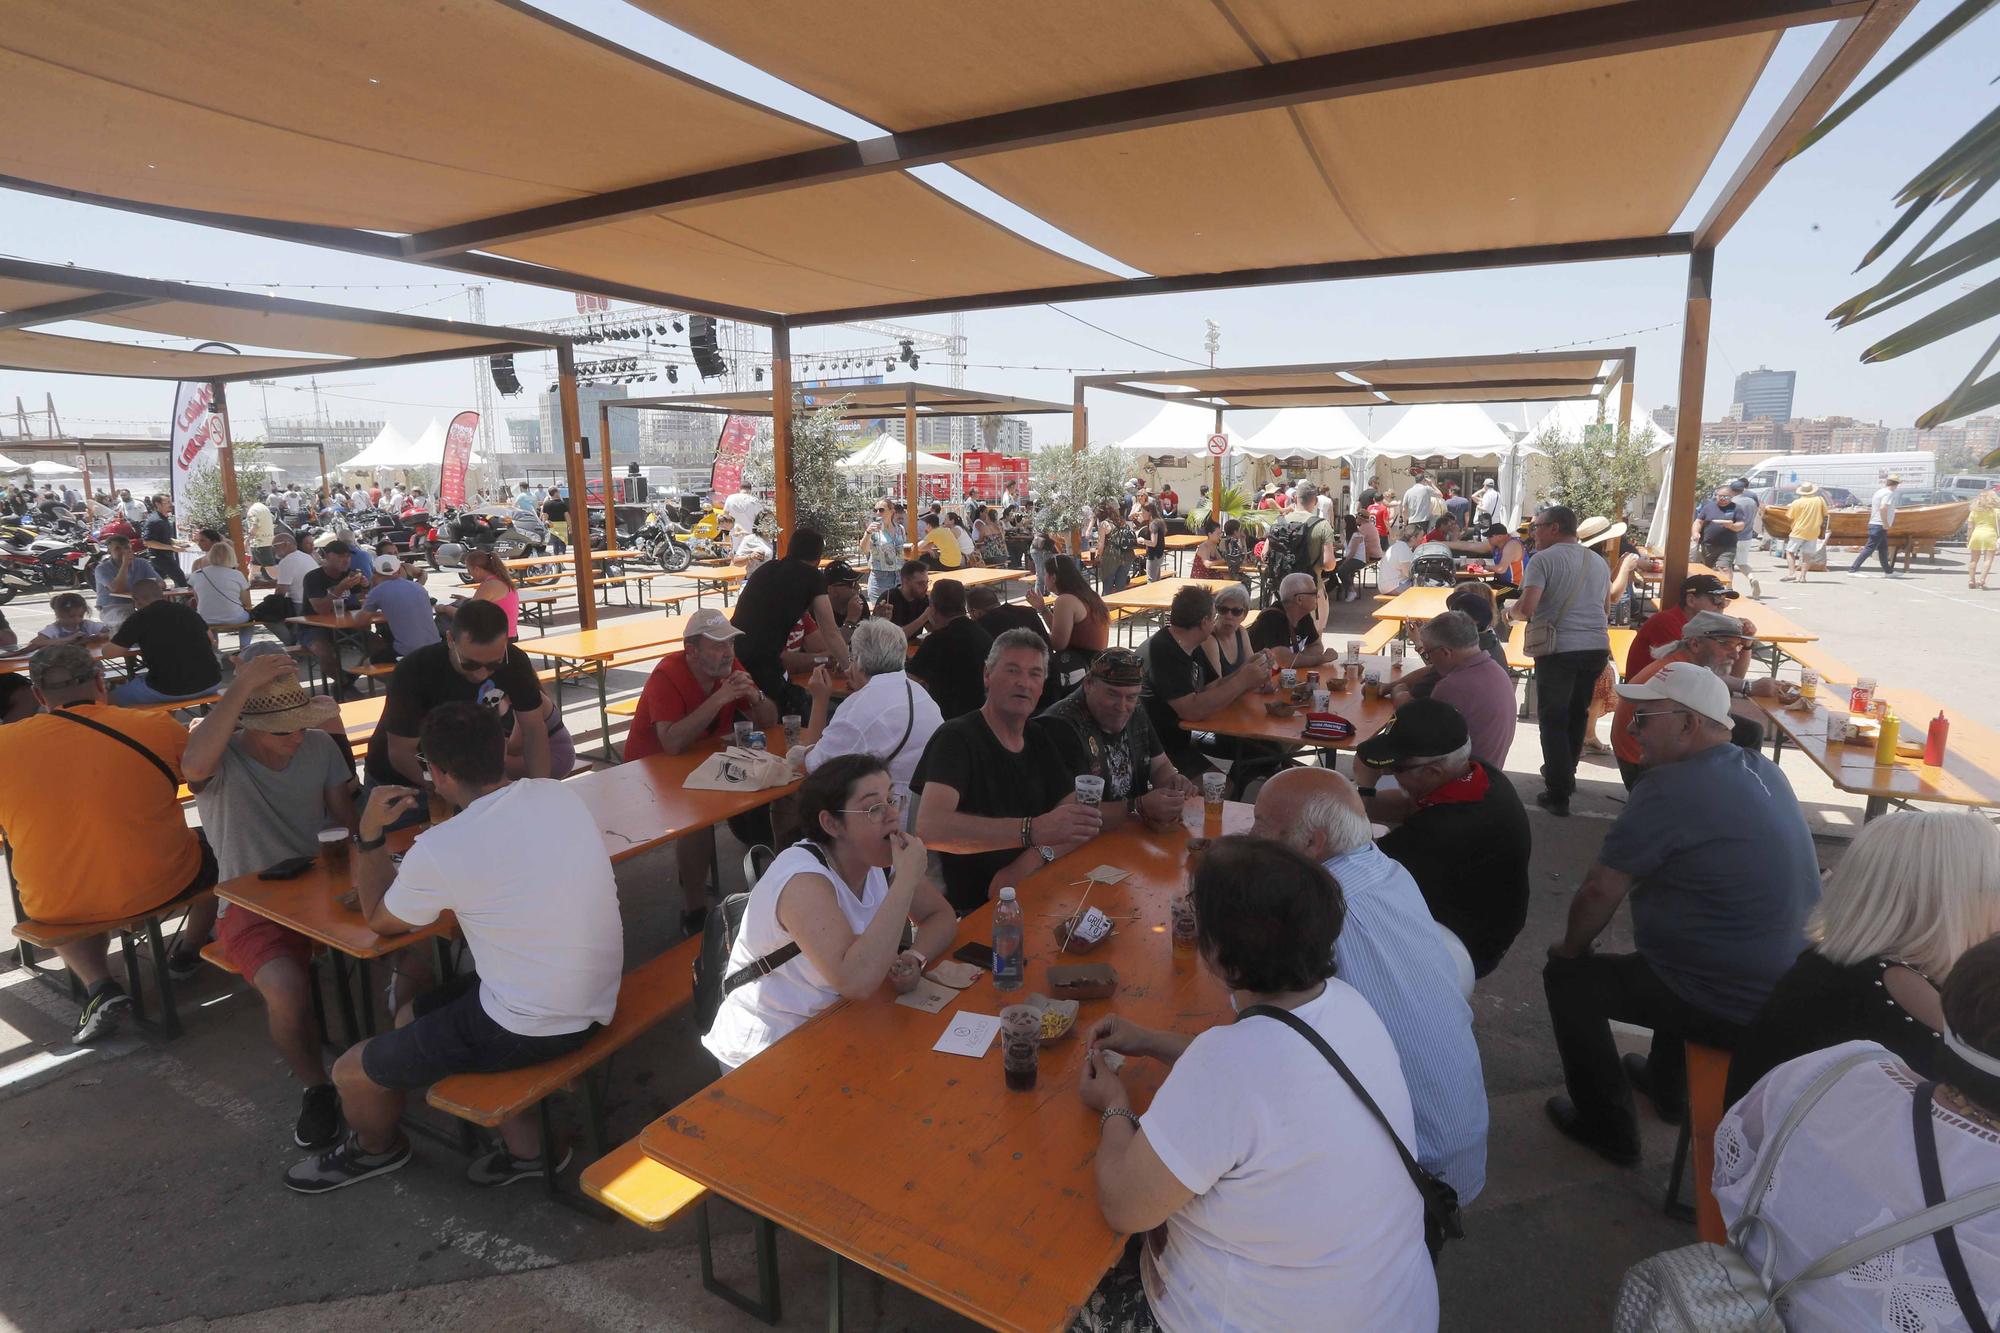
pixel 221 592
pixel 1983 542
pixel 1915 890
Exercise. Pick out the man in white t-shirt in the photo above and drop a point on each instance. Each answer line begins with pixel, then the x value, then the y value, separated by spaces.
pixel 522 868
pixel 292 567
pixel 1881 518
pixel 1392 571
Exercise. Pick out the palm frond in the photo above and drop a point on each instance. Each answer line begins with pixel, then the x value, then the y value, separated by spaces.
pixel 1963 13
pixel 1953 317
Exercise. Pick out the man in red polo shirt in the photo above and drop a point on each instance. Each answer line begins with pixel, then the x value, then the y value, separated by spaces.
pixel 1699 592
pixel 693 697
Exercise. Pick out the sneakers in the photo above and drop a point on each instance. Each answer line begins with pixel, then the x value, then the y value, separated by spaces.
pixel 693 920
pixel 342 1165
pixel 319 1118
pixel 1554 804
pixel 183 964
pixel 501 1167
pixel 1618 1149
pixel 102 1010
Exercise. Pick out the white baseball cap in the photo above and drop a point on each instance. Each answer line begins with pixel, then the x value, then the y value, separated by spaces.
pixel 710 623
pixel 388 564
pixel 1691 686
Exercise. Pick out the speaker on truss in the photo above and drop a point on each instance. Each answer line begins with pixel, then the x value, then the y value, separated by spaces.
pixel 504 378
pixel 701 341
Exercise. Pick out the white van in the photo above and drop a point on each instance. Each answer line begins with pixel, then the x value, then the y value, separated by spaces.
pixel 1967 487
pixel 1860 473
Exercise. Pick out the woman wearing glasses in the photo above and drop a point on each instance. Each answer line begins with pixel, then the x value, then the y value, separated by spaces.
pixel 1228 645
pixel 827 917
pixel 884 541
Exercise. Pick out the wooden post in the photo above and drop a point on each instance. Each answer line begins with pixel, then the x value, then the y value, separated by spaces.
pixel 1625 401
pixel 1079 440
pixel 83 462
pixel 781 435
pixel 604 444
pixel 910 475
pixel 579 532
pixel 1215 470
pixel 111 476
pixel 1687 426
pixel 225 459
pixel 325 482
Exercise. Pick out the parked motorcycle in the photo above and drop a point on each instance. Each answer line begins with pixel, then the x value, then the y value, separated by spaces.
pixel 34 561
pixel 506 532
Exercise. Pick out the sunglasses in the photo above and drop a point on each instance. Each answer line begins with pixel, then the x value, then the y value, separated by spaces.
pixel 478 665
pixel 1639 719
pixel 1232 610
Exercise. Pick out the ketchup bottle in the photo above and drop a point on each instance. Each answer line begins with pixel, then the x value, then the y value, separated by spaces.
pixel 1934 742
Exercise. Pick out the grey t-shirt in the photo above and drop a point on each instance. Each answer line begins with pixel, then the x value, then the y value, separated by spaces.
pixel 1726 876
pixel 256 817
pixel 1568 572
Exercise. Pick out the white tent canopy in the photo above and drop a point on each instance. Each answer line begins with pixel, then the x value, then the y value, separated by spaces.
pixel 1572 417
pixel 9 465
pixel 1316 432
pixel 388 449
pixel 1446 430
pixel 886 453
pixel 47 469
pixel 1178 428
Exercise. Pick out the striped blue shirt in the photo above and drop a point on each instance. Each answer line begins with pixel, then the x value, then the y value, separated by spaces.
pixel 1390 951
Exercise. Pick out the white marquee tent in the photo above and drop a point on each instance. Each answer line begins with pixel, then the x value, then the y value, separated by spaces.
pixel 886 453
pixel 1316 432
pixel 1459 432
pixel 388 449
pixel 1178 428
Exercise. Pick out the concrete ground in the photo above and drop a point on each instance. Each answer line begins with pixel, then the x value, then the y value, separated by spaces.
pixel 139 1183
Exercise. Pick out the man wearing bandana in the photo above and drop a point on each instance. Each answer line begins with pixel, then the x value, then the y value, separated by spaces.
pixel 1100 729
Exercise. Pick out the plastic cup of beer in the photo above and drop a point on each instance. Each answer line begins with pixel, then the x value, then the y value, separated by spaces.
pixel 1089 789
pixel 1322 700
pixel 1809 685
pixel 1398 650
pixel 793 725
pixel 739 735
pixel 1288 677
pixel 1211 794
pixel 1180 916
pixel 334 850
pixel 1354 650
pixel 1020 1045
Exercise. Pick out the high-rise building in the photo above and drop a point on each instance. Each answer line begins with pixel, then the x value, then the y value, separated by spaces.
pixel 524 435
pixel 1766 393
pixel 624 425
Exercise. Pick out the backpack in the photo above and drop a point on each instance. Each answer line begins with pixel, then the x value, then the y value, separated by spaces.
pixel 1121 544
pixel 1287 550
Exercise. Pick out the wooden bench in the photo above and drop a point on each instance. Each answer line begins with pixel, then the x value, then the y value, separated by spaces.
pixel 175 705
pixel 213 954
pixel 647 995
pixel 46 935
pixel 1380 635
pixel 1815 658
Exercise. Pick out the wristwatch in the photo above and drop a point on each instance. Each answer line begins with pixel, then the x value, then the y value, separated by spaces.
pixel 1048 853
pixel 369 844
pixel 1125 1111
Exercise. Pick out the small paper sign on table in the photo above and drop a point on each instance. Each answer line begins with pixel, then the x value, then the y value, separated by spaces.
pixel 950 972
pixel 968 1034
pixel 928 996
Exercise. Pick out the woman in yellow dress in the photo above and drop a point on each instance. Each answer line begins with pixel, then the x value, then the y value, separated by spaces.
pixel 1985 539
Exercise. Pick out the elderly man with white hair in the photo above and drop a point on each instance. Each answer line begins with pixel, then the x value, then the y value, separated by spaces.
pixel 888 715
pixel 1394 954
pixel 1291 630
pixel 1721 871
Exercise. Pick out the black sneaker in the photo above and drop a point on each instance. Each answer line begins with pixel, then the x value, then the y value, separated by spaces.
pixel 342 1165
pixel 1639 1074
pixel 319 1118
pixel 1554 804
pixel 501 1167
pixel 1618 1149
pixel 183 964
pixel 693 920
pixel 102 1011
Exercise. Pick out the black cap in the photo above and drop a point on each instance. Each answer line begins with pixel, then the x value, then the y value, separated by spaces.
pixel 840 572
pixel 1420 729
pixel 1707 583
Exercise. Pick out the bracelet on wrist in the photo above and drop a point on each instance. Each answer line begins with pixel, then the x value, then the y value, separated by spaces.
pixel 368 844
pixel 1123 1112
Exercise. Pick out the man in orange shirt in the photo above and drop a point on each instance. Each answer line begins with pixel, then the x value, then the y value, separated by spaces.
pixel 1712 640
pixel 101 859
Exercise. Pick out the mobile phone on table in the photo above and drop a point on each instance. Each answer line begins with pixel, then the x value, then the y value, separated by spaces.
pixel 979 955
pixel 291 869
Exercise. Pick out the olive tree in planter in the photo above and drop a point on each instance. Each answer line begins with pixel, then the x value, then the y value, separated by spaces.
pixel 826 497
pixel 1069 484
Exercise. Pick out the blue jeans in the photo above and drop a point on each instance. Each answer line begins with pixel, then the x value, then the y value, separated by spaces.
pixel 1878 542
pixel 879 583
pixel 137 691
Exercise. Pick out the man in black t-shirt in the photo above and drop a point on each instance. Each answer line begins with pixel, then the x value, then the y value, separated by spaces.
pixel 173 642
pixel 951 661
pixel 555 512
pixel 474 664
pixel 1100 729
pixel 997 617
pixel 994 798
pixel 333 584
pixel 773 599
pixel 1290 631
pixel 1179 684
pixel 908 604
pixel 163 547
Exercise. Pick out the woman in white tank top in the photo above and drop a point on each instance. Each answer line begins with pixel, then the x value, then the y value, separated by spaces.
pixel 833 910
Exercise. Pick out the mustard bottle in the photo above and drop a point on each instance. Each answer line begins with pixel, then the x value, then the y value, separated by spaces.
pixel 1885 743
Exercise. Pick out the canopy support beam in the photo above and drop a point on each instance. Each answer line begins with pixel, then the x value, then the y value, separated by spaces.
pixel 81 307
pixel 1501 48
pixel 225 462
pixel 784 500
pixel 579 534
pixel 604 466
pixel 910 464
pixel 1687 426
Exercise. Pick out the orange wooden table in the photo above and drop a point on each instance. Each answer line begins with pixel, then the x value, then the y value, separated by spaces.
pixel 640 805
pixel 923 1167
pixel 1247 719
pixel 1970 775
pixel 721 577
pixel 310 905
pixel 1159 594
pixel 593 650
pixel 979 576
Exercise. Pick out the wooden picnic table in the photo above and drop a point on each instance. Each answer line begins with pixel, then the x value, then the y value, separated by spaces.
pixel 1247 720
pixel 594 649
pixel 979 576
pixel 1158 595
pixel 310 905
pixel 16 659
pixel 1179 544
pixel 569 558
pixel 722 577
pixel 342 625
pixel 643 804
pixel 1970 775
pixel 923 1167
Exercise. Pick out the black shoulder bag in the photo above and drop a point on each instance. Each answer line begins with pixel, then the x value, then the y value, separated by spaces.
pixel 1442 1221
pixel 1944 1237
pixel 173 782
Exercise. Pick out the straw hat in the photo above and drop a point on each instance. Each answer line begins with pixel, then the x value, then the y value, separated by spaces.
pixel 1808 488
pixel 1597 530
pixel 284 705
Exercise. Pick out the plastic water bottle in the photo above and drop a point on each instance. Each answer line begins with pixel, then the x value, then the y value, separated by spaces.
pixel 1008 963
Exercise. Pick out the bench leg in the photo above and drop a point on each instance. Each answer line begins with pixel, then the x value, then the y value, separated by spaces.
pixel 366 976
pixel 766 1306
pixel 596 1086
pixel 343 994
pixel 1672 1205
pixel 836 1306
pixel 133 984
pixel 170 1018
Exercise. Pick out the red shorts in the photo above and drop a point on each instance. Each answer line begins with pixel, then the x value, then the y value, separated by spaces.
pixel 249 941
